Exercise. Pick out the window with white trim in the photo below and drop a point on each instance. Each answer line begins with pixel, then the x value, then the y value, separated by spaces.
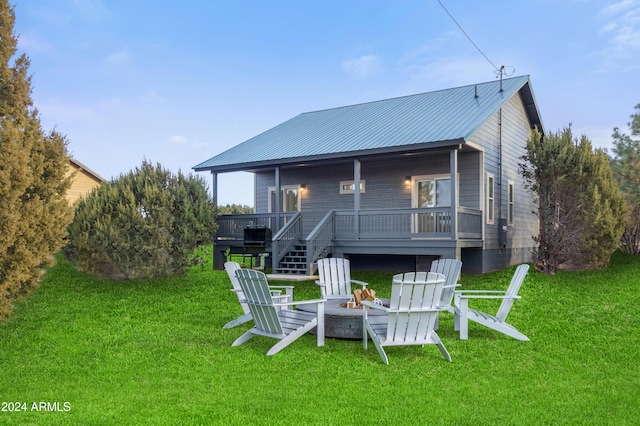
pixel 490 198
pixel 431 191
pixel 348 186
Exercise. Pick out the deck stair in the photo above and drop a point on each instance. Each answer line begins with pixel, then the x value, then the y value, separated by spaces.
pixel 294 262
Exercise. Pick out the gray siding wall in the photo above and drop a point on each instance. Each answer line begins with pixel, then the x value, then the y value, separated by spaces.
pixel 515 132
pixel 384 184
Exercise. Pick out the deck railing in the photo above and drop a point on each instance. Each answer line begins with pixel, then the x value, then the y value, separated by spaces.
pixel 320 238
pixel 409 223
pixel 392 224
pixel 290 234
pixel 231 227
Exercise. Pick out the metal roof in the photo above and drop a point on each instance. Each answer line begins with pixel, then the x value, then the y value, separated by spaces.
pixel 432 119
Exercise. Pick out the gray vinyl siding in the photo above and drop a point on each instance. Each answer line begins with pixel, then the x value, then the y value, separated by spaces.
pixel 515 132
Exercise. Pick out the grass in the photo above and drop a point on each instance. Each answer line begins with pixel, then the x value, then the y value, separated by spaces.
pixel 97 352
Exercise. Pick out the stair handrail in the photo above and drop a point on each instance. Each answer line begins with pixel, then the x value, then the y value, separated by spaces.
pixel 320 238
pixel 286 237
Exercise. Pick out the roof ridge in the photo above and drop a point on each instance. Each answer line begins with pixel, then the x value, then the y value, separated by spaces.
pixel 412 95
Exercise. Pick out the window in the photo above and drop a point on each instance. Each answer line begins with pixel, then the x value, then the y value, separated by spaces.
pixel 348 187
pixel 289 199
pixel 490 198
pixel 433 191
pixel 511 197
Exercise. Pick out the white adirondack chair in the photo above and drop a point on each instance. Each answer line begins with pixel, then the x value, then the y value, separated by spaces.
pixel 335 278
pixel 450 268
pixel 276 292
pixel 463 313
pixel 412 313
pixel 276 319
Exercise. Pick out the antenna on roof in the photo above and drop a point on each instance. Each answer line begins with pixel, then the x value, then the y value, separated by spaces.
pixel 502 72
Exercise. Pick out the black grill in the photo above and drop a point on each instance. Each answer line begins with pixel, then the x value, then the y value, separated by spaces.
pixel 256 236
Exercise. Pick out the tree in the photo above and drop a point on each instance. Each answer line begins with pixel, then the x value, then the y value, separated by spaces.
pixel 580 208
pixel 235 209
pixel 33 209
pixel 626 170
pixel 143 224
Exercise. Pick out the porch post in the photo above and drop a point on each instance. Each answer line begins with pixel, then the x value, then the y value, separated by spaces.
pixel 214 186
pixel 278 201
pixel 453 167
pixel 356 198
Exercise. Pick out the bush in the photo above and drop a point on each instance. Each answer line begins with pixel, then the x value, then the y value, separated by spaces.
pixel 144 224
pixel 580 208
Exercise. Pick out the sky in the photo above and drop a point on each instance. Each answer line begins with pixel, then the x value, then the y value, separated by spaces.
pixel 178 82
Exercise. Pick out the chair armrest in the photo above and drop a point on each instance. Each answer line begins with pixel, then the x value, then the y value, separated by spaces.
pixel 487 296
pixel 482 294
pixel 288 290
pixel 300 302
pixel 362 283
pixel 373 305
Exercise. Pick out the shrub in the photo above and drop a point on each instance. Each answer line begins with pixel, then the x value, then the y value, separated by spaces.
pixel 143 224
pixel 580 208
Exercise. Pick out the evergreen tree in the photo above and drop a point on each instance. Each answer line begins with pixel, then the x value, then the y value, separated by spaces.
pixel 33 210
pixel 143 224
pixel 580 208
pixel 626 168
pixel 234 209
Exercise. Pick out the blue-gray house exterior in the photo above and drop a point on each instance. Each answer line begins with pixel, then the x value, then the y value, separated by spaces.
pixel 438 177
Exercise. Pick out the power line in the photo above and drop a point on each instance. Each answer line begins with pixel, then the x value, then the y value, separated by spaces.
pixel 499 70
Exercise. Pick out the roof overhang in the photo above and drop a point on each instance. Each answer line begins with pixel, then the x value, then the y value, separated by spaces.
pixel 333 157
pixel 531 107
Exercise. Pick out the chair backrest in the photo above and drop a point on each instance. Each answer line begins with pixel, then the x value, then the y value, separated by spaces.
pixel 512 291
pixel 335 273
pixel 415 297
pixel 257 294
pixel 450 268
pixel 231 268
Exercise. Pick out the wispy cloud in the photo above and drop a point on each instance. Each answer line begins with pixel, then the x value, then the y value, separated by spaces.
pixel 119 57
pixel 179 139
pixel 616 8
pixel 94 10
pixel 33 44
pixel 622 27
pixel 448 71
pixel 183 140
pixel 363 67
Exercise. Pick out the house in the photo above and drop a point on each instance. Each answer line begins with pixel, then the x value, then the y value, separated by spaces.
pixel 83 181
pixel 392 183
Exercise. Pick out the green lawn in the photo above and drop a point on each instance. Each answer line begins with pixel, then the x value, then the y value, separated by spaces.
pixel 154 352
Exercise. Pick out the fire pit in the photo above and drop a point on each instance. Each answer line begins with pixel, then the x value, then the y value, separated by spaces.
pixel 341 322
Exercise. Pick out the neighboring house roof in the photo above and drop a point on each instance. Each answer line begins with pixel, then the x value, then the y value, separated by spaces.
pixel 433 119
pixel 79 166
